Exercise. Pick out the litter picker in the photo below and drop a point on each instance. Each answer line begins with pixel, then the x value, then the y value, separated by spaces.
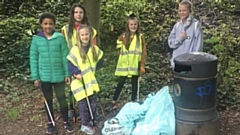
pixel 139 78
pixel 88 102
pixel 138 90
pixel 46 104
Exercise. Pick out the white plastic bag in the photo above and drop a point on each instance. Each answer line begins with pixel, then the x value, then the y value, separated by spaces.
pixel 159 118
pixel 112 127
pixel 154 117
pixel 124 122
pixel 128 115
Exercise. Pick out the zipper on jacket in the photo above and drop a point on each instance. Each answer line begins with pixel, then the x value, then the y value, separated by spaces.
pixel 48 44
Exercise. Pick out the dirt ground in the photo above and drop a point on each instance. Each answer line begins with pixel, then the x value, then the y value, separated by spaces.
pixel 31 118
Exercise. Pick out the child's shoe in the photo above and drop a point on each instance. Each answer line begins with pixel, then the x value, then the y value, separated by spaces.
pixel 88 130
pixel 71 116
pixel 51 129
pixel 69 127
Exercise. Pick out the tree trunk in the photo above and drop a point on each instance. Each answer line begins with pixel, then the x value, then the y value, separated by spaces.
pixel 93 13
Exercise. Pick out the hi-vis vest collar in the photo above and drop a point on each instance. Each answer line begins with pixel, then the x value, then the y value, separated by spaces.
pixel 72 40
pixel 128 61
pixel 87 71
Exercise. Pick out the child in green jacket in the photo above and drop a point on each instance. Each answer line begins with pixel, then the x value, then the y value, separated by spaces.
pixel 48 66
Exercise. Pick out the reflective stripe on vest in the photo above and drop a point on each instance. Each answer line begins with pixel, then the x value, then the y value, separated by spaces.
pixel 70 55
pixel 129 59
pixel 83 72
pixel 87 73
pixel 131 52
pixel 71 40
pixel 86 86
pixel 74 59
pixel 127 69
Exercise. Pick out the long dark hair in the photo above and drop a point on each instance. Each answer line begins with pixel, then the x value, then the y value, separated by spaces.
pixel 71 20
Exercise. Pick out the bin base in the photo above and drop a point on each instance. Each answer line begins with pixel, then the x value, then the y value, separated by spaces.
pixel 198 128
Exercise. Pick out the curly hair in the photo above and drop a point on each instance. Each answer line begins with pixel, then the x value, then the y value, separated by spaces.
pixel 47 15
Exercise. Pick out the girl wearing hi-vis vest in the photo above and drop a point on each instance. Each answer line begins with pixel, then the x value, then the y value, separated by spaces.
pixel 77 17
pixel 84 59
pixel 132 58
pixel 186 35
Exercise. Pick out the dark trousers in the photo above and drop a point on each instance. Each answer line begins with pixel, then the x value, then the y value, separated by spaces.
pixel 59 89
pixel 121 82
pixel 71 100
pixel 84 110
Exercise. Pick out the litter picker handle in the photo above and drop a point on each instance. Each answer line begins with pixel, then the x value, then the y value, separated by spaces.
pixel 88 102
pixel 46 104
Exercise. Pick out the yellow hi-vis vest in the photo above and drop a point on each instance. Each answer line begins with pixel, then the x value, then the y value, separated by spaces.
pixel 87 71
pixel 73 41
pixel 129 59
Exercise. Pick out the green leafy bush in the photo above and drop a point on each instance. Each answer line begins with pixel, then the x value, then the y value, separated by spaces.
pixel 220 20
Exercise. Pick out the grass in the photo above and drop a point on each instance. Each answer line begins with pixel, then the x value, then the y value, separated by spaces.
pixel 12 113
pixel 35 117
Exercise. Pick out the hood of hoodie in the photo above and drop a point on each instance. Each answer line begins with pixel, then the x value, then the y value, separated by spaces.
pixel 54 35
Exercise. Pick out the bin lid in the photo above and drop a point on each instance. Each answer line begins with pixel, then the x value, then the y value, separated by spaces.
pixel 196 64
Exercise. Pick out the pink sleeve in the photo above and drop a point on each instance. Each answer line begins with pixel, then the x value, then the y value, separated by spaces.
pixel 94 41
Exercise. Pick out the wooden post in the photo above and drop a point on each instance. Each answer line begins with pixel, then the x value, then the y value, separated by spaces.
pixel 93 13
pixel 2 76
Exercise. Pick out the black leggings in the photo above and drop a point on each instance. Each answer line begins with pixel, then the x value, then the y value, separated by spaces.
pixel 120 85
pixel 59 89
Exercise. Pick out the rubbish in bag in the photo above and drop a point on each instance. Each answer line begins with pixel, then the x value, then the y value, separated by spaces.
pixel 154 117
pixel 129 115
pixel 124 122
pixel 112 127
pixel 159 118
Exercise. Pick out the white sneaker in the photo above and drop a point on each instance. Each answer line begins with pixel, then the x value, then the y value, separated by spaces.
pixel 88 130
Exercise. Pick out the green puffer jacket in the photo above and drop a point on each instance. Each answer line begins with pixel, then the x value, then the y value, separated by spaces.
pixel 48 60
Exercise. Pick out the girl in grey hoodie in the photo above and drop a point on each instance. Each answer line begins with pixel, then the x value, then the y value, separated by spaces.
pixel 186 35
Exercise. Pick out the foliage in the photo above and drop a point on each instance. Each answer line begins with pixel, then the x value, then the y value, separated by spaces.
pixel 228 79
pixel 14 91
pixel 154 20
pixel 224 44
pixel 12 113
pixel 220 20
pixel 15 41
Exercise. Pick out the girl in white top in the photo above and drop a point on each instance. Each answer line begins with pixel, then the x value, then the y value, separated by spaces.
pixel 186 35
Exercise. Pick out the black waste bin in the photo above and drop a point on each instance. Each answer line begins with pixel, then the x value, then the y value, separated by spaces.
pixel 194 94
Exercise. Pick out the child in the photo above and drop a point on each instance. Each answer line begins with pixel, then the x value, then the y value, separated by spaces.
pixel 132 56
pixel 186 35
pixel 77 17
pixel 48 65
pixel 84 59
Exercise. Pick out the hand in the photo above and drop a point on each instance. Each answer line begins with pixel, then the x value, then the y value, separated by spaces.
pixel 67 80
pixel 142 70
pixel 183 35
pixel 36 83
pixel 78 76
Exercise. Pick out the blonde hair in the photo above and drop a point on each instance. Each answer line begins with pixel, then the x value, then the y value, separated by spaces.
pixel 82 52
pixel 188 4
